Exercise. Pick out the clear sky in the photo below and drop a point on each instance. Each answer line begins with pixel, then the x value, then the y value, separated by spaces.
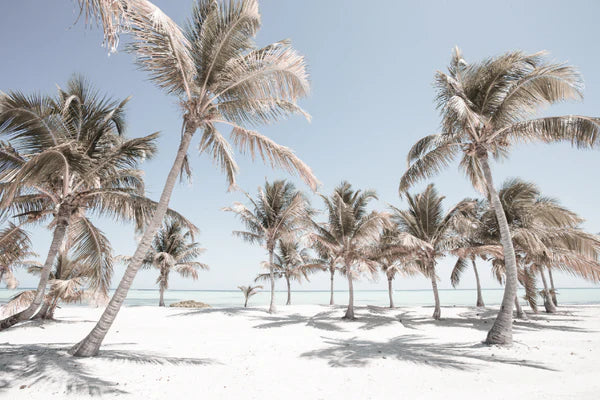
pixel 371 65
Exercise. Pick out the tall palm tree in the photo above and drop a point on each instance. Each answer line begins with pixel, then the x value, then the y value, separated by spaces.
pixel 424 222
pixel 485 108
pixel 15 248
pixel 219 77
pixel 291 262
pixel 173 249
pixel 249 291
pixel 276 214
pixel 350 234
pixel 66 157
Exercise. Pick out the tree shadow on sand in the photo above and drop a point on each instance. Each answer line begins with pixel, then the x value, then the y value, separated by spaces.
pixel 355 352
pixel 51 364
pixel 483 318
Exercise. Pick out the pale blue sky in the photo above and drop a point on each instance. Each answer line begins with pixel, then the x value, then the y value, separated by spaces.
pixel 371 65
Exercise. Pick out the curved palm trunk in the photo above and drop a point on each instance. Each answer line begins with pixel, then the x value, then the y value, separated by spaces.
pixel 437 312
pixel 289 298
pixel 332 273
pixel 548 303
pixel 520 312
pixel 90 345
pixel 390 292
pixel 501 332
pixel 58 237
pixel 350 310
pixel 479 296
pixel 552 288
pixel 272 308
pixel 41 314
pixel 161 300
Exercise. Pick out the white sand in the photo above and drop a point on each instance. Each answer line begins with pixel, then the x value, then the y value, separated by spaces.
pixel 304 352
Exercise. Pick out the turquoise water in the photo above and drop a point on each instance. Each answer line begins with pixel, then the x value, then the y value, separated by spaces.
pixel 232 298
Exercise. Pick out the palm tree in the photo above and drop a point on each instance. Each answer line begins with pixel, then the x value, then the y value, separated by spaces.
pixel 173 249
pixel 425 223
pixel 350 234
pixel 67 157
pixel 276 214
pixel 291 262
pixel 15 247
pixel 219 76
pixel 249 291
pixel 544 234
pixel 484 108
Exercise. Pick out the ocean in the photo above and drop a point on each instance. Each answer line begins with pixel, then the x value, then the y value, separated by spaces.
pixel 233 298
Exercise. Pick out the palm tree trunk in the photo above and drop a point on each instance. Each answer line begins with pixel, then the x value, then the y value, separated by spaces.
pixel 390 292
pixel 60 231
pixel 289 299
pixel 246 302
pixel 332 272
pixel 272 309
pixel 350 310
pixel 437 312
pixel 50 313
pixel 501 332
pixel 548 303
pixel 552 288
pixel 479 296
pixel 520 312
pixel 41 314
pixel 161 300
pixel 90 345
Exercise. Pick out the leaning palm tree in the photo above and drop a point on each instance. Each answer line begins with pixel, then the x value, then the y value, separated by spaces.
pixel 219 77
pixel 350 234
pixel 66 157
pixel 276 214
pixel 249 291
pixel 173 249
pixel 485 109
pixel 290 262
pixel 15 248
pixel 424 222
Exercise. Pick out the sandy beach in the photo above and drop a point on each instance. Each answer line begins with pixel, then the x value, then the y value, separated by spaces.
pixel 304 352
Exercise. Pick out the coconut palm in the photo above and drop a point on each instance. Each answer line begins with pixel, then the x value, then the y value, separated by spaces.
pixel 545 235
pixel 424 222
pixel 485 108
pixel 278 211
pixel 15 247
pixel 249 291
pixel 219 77
pixel 66 157
pixel 173 249
pixel 391 261
pixel 350 234
pixel 291 262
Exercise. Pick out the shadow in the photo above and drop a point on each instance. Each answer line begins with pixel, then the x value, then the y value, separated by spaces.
pixel 356 352
pixel 211 310
pixel 35 364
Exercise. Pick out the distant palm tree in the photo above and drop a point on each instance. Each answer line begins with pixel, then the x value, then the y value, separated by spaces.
pixel 424 222
pixel 219 76
pixel 15 248
pixel 173 249
pixel 291 262
pixel 350 234
pixel 484 108
pixel 278 211
pixel 249 291
pixel 67 157
pixel 392 262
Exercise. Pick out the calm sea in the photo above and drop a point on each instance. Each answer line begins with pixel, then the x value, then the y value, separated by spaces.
pixel 232 298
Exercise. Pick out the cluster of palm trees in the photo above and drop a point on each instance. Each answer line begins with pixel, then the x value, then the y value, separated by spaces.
pixel 64 161
pixel 356 242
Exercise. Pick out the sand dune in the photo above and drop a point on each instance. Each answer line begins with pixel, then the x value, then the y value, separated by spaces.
pixel 304 352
